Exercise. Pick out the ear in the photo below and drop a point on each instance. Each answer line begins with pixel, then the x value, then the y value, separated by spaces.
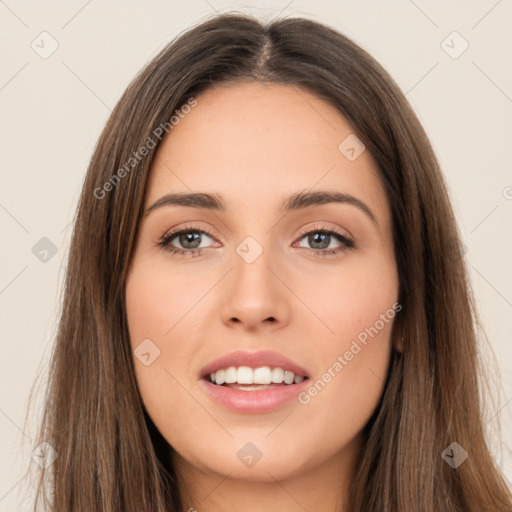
pixel 398 334
pixel 399 345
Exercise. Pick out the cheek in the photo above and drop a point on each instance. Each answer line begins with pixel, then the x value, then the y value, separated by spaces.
pixel 357 308
pixel 156 299
pixel 157 305
pixel 351 298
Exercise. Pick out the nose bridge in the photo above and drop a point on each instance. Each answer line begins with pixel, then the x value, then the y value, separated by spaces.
pixel 254 293
pixel 252 262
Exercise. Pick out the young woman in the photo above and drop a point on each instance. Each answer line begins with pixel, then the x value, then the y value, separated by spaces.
pixel 266 304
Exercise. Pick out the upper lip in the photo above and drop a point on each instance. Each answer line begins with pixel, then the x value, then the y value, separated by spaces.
pixel 254 360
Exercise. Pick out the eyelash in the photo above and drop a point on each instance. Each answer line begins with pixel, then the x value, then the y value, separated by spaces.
pixel 347 243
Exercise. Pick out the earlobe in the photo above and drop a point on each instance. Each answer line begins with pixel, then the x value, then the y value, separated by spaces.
pixel 399 345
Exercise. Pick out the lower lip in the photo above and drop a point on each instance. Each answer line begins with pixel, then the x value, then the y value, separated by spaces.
pixel 254 402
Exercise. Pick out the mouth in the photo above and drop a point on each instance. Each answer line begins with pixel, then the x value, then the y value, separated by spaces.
pixel 253 382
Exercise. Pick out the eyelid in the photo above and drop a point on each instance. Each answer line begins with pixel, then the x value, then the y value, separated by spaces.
pixel 302 232
pixel 173 231
pixel 322 227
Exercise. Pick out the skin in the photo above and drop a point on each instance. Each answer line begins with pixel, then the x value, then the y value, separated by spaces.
pixel 255 145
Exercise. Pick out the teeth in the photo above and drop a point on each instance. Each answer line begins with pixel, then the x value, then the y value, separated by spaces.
pixel 263 375
pixel 289 377
pixel 244 375
pixel 230 375
pixel 220 377
pixel 277 375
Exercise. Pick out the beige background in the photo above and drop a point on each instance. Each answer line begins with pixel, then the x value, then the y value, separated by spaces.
pixel 52 110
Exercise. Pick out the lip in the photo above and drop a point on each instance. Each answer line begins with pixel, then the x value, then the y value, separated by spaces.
pixel 253 360
pixel 259 401
pixel 253 402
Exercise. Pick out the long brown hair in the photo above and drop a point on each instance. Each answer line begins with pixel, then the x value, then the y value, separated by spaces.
pixel 110 455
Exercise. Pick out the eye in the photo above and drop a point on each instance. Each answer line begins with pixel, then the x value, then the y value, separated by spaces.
pixel 189 238
pixel 321 238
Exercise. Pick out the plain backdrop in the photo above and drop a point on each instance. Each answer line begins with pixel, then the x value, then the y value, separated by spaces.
pixel 65 65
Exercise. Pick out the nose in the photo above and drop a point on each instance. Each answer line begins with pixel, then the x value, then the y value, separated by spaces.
pixel 255 295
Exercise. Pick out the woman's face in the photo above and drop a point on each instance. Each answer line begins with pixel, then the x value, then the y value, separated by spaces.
pixel 309 279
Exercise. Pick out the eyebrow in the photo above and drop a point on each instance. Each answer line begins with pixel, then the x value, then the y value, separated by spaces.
pixel 294 202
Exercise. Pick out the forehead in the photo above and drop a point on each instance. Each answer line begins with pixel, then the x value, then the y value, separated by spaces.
pixel 258 143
